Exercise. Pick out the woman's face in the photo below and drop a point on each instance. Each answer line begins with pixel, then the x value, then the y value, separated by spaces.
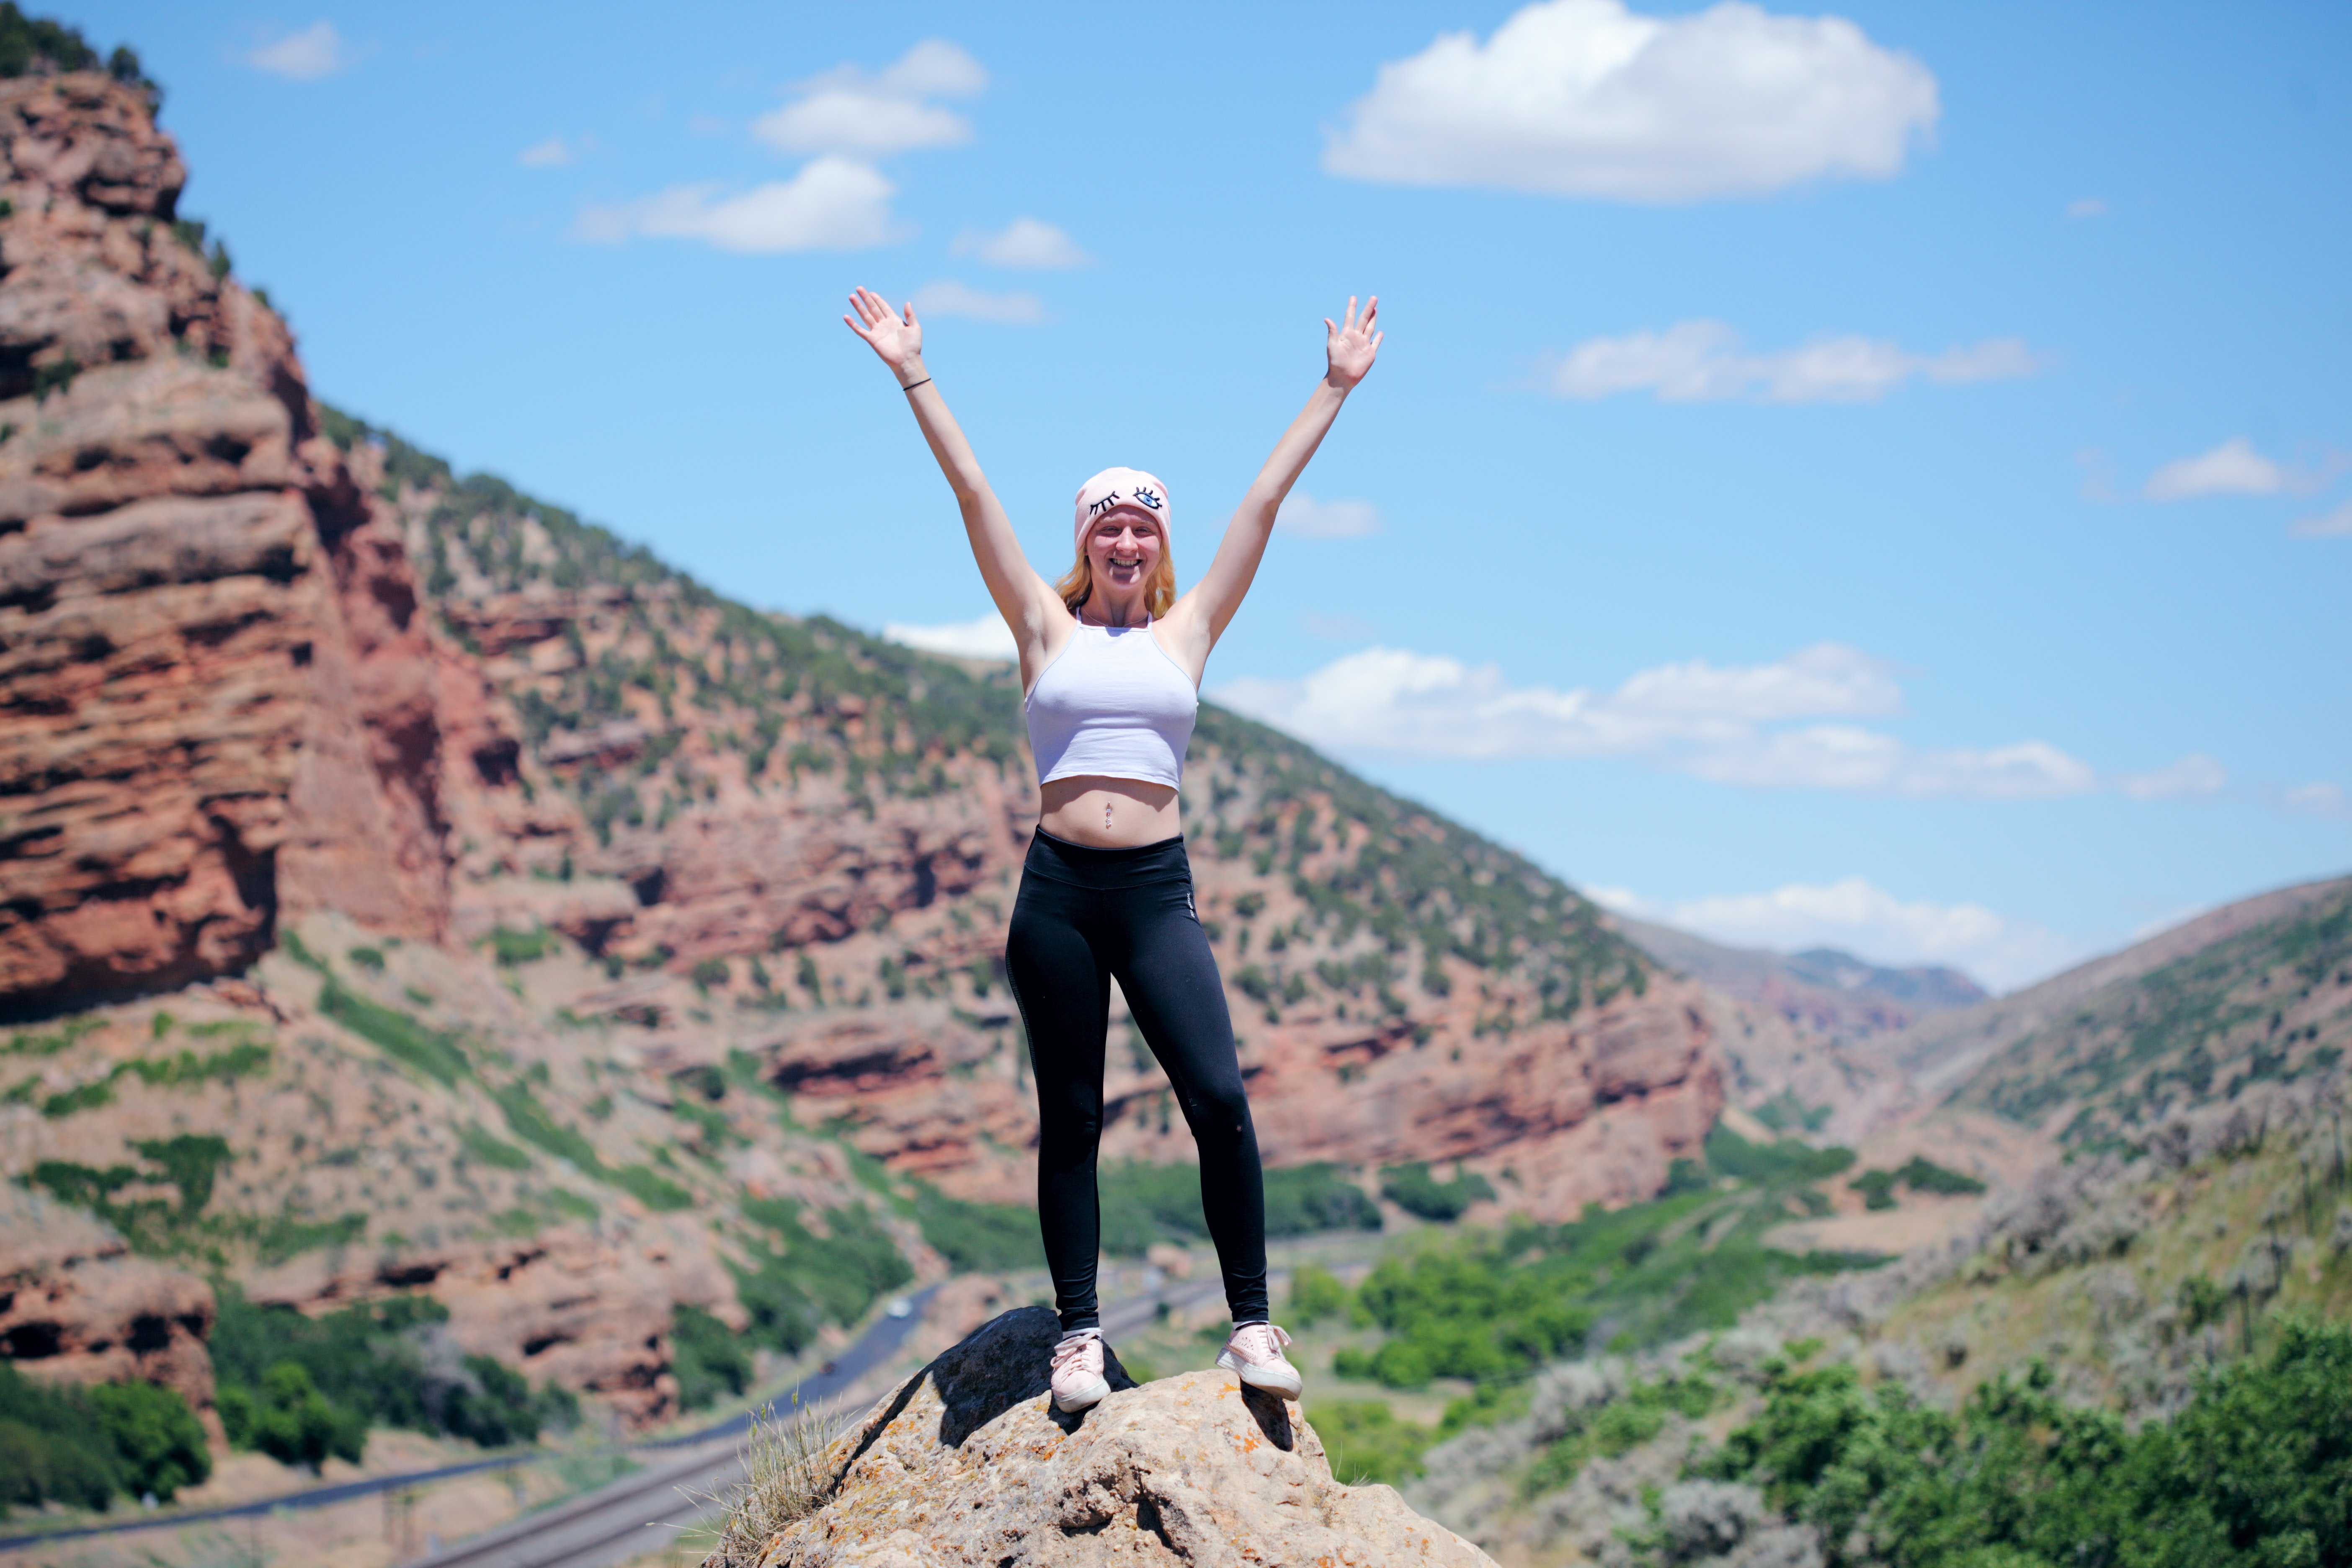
pixel 1123 547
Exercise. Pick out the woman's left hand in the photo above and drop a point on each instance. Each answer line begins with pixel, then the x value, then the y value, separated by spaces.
pixel 1350 345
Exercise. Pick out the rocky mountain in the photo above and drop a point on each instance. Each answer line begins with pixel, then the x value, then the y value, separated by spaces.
pixel 818 833
pixel 412 887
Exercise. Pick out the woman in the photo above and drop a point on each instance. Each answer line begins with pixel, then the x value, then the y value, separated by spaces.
pixel 1111 665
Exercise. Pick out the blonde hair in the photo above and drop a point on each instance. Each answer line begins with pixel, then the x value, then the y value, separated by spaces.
pixel 1158 589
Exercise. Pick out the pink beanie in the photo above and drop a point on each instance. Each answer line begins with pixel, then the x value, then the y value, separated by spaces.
pixel 1117 488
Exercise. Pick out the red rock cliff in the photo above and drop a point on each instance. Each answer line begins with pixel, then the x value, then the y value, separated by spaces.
pixel 218 697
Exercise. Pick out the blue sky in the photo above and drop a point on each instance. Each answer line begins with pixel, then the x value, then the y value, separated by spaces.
pixel 1883 480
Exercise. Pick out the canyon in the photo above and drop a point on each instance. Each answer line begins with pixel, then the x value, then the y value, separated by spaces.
pixel 350 809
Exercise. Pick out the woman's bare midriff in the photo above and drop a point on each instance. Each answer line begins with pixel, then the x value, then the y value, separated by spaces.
pixel 1110 814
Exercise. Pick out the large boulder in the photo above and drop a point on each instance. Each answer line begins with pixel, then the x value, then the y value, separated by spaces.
pixel 970 1465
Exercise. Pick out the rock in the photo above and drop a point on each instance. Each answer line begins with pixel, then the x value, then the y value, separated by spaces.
pixel 75 1307
pixel 968 1466
pixel 218 701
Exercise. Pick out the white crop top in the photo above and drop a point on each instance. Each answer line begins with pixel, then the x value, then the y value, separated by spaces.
pixel 1111 705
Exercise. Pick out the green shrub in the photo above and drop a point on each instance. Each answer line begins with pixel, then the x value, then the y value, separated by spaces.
pixel 81 1096
pixel 189 1162
pixel 51 1447
pixel 1924 1175
pixel 651 1188
pixel 158 1438
pixel 2255 1473
pixel 1919 1174
pixel 286 1418
pixel 1789 1159
pixel 529 1120
pixel 1492 1306
pixel 1876 1187
pixel 706 1358
pixel 1367 1442
pixel 1457 1310
pixel 1315 1294
pixel 246 1058
pixel 974 1237
pixel 1412 1189
pixel 491 1151
pixel 1303 1199
pixel 398 1036
pixel 302 1388
pixel 1143 1204
pixel 523 946
pixel 368 958
pixel 788 1294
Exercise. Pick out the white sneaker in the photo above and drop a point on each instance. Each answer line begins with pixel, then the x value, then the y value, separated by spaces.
pixel 1255 1352
pixel 1078 1379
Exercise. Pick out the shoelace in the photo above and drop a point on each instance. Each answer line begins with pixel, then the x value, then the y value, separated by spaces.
pixel 1072 1349
pixel 1265 1345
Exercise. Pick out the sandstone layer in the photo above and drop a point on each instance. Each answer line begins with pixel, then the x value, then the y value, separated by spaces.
pixel 969 1465
pixel 219 698
pixel 77 1307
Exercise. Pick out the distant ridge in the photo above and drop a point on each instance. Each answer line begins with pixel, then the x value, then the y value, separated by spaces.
pixel 1822 988
pixel 1941 1050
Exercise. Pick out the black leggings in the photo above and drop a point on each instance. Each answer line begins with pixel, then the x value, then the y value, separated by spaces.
pixel 1084 916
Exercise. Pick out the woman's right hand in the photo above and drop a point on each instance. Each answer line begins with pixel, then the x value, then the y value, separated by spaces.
pixel 900 342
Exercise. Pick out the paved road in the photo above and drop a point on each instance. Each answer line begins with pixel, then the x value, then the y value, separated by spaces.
pixel 877 1345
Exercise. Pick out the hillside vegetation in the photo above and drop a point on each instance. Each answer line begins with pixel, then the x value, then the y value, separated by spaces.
pixel 2271 1005
pixel 731 695
pixel 2137 1355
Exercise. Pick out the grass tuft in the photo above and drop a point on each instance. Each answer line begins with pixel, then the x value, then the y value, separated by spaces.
pixel 785 1481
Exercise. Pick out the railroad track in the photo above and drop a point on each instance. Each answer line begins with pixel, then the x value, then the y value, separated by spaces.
pixel 627 1518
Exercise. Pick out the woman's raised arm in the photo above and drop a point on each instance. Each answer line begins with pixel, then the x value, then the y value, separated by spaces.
pixel 1200 618
pixel 1025 600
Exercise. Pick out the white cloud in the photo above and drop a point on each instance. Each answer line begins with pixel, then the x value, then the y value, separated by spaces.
pixel 318 51
pixel 2336 524
pixel 2320 800
pixel 2194 778
pixel 1308 518
pixel 1735 725
pixel 1865 919
pixel 2087 206
pixel 847 111
pixel 1584 97
pixel 555 153
pixel 949 298
pixel 1026 242
pixel 984 637
pixel 833 203
pixel 2231 469
pixel 1702 361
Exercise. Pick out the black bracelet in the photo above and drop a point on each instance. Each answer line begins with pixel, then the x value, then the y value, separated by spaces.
pixel 912 384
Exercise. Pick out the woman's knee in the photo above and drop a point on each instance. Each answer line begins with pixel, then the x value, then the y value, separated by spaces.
pixel 1220 1113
